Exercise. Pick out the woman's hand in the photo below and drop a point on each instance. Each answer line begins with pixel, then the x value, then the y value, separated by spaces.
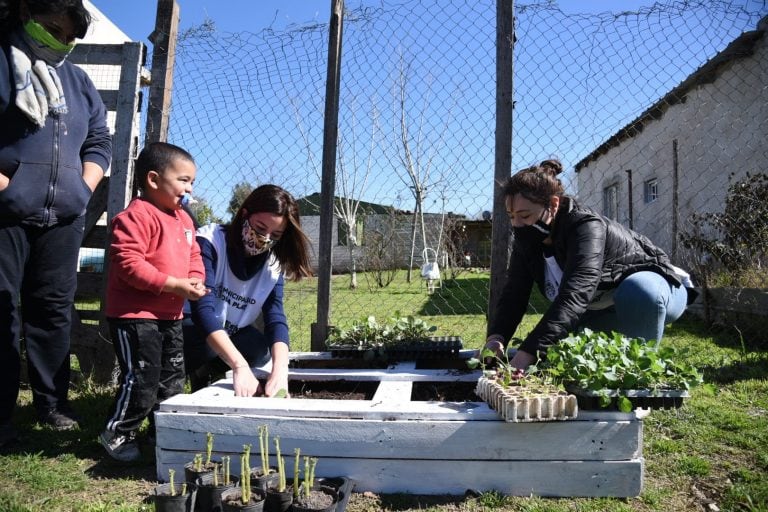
pixel 4 181
pixel 277 380
pixel 495 344
pixel 522 360
pixel 244 381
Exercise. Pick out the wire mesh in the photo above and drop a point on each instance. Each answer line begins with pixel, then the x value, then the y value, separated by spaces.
pixel 650 112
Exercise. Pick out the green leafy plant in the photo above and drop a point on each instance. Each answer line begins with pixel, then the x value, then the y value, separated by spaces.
pixel 197 462
pixel 600 362
pixel 369 333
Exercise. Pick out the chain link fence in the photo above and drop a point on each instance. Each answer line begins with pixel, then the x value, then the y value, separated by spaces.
pixel 659 115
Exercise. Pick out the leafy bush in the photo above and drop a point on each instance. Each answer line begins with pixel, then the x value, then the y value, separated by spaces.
pixel 369 333
pixel 596 361
pixel 735 241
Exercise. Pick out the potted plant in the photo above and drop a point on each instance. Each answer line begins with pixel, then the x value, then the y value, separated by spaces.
pixel 198 467
pixel 402 337
pixel 618 372
pixel 210 486
pixel 263 476
pixel 241 498
pixel 278 497
pixel 173 497
pixel 307 497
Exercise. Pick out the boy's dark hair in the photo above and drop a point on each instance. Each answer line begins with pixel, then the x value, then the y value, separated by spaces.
pixel 157 156
pixel 10 13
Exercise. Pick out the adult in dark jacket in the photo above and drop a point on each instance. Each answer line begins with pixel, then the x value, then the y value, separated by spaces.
pixel 54 149
pixel 596 273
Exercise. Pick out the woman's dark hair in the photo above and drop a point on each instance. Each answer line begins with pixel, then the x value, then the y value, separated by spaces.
pixel 537 183
pixel 292 251
pixel 157 156
pixel 10 13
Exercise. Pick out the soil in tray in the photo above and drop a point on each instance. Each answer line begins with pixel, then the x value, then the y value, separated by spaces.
pixel 362 390
pixel 333 390
pixel 444 392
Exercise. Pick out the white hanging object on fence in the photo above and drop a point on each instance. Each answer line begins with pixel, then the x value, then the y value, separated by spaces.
pixel 430 270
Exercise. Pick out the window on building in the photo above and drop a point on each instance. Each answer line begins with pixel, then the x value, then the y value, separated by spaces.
pixel 343 233
pixel 651 190
pixel 611 201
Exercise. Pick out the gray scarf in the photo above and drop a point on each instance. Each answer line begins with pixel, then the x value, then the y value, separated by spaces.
pixel 38 88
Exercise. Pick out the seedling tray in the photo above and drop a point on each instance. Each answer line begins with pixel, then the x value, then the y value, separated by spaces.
pixel 520 403
pixel 640 398
pixel 436 347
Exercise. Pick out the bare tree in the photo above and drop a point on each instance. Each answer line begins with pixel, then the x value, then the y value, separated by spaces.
pixel 352 173
pixel 416 150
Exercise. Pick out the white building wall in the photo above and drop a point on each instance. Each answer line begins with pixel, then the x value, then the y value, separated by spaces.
pixel 720 128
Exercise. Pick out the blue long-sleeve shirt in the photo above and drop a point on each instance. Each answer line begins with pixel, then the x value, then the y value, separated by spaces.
pixel 203 310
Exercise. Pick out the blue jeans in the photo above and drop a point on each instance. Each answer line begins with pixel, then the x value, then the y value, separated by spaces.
pixel 643 303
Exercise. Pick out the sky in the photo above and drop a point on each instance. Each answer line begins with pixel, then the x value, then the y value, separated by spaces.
pixel 137 17
pixel 248 129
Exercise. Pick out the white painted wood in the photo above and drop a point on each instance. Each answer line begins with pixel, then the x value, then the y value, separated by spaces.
pixel 391 444
pixel 435 440
pixel 517 477
pixel 392 391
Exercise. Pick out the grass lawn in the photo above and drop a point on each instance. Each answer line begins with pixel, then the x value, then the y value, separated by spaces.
pixel 713 452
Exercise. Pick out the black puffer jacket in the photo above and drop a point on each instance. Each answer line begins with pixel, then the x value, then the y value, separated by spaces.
pixel 594 253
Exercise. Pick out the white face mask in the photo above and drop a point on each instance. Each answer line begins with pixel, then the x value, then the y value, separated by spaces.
pixel 255 243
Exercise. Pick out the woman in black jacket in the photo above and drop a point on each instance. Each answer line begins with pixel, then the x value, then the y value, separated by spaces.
pixel 596 273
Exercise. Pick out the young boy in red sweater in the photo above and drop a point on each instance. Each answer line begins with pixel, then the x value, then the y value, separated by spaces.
pixel 154 265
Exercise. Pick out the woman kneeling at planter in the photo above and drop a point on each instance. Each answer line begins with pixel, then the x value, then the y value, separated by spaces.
pixel 245 263
pixel 596 273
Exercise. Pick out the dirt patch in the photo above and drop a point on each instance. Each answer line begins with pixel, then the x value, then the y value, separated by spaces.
pixel 333 390
pixel 356 390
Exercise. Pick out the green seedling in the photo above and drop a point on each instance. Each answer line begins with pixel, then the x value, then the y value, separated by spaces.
pixel 245 471
pixel 208 447
pixel 280 466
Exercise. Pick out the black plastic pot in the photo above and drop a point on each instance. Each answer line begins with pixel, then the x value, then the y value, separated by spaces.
pixel 276 501
pixel 164 502
pixel 191 474
pixel 209 495
pixel 231 501
pixel 259 481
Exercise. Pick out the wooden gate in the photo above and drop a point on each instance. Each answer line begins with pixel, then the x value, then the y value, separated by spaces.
pixel 122 97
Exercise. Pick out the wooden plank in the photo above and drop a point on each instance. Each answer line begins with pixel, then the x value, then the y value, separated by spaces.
pixel 224 402
pixel 407 440
pixel 97 238
pixel 163 57
pixel 518 478
pixel 97 54
pixel 392 391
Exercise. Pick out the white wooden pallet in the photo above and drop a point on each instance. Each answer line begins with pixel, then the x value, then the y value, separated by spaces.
pixel 392 444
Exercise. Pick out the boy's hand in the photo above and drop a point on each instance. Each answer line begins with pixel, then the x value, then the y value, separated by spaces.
pixel 190 288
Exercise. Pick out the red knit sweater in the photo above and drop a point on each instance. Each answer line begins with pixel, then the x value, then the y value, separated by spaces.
pixel 147 246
